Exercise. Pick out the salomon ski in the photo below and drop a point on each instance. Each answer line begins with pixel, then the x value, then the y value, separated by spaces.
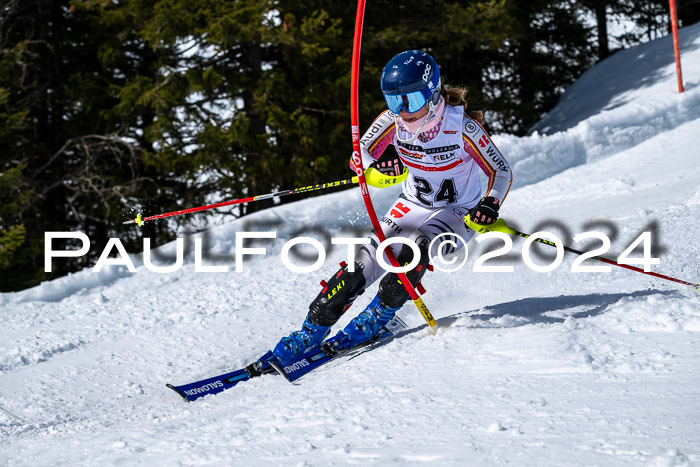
pixel 194 391
pixel 292 370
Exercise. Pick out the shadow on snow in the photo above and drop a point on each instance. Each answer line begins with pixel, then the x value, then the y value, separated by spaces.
pixel 546 310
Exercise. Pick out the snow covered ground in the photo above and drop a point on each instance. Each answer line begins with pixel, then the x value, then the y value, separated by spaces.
pixel 557 368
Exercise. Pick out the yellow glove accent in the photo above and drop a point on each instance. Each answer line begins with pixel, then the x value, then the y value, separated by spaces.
pixel 377 179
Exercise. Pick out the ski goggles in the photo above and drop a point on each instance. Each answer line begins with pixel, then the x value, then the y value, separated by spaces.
pixel 410 102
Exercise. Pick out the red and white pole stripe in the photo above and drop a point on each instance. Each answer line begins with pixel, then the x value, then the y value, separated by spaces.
pixel 357 157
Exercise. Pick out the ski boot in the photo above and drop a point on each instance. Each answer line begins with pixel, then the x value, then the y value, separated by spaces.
pixel 390 298
pixel 362 328
pixel 298 342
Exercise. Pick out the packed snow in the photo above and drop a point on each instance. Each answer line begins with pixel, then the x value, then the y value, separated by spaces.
pixel 527 368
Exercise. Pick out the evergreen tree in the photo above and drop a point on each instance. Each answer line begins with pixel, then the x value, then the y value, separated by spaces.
pixel 688 12
pixel 601 10
pixel 111 108
pixel 12 231
pixel 78 167
pixel 549 43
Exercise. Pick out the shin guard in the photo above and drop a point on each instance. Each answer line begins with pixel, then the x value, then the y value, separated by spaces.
pixel 337 295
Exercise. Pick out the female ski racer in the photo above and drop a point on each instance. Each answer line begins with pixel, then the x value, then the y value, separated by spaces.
pixel 442 147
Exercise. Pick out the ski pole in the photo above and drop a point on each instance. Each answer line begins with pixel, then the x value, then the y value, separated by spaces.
pixel 501 226
pixel 139 220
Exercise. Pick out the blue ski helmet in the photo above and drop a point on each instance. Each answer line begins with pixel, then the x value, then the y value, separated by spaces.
pixel 410 80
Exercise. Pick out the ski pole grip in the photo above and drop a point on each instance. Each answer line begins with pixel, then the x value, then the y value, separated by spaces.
pixel 498 226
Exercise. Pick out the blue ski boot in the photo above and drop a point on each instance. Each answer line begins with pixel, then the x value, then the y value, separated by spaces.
pixel 298 342
pixel 363 327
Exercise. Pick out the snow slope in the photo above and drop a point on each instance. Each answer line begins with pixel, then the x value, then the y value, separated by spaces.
pixel 527 368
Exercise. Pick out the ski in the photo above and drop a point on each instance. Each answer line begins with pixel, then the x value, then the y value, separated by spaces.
pixel 291 370
pixel 309 361
pixel 194 391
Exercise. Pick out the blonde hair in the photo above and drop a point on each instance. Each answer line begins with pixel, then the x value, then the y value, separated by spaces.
pixel 455 96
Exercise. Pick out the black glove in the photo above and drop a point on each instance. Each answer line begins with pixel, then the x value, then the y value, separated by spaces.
pixel 391 167
pixel 486 211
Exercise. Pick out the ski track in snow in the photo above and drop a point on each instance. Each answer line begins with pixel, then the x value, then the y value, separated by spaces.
pixel 528 368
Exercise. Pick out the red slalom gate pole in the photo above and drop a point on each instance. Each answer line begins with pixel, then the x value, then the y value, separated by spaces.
pixel 676 43
pixel 357 157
